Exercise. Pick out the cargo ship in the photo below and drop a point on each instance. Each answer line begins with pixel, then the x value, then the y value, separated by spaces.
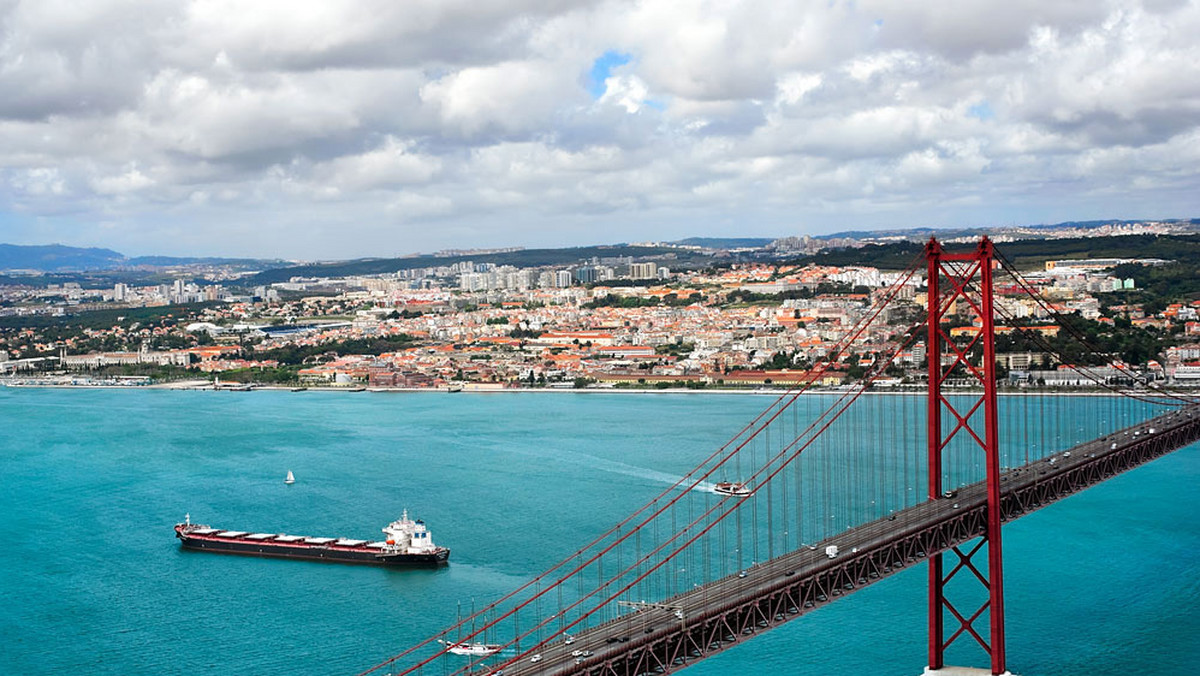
pixel 407 543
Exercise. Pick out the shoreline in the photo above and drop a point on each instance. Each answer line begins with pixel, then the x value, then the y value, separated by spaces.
pixel 199 386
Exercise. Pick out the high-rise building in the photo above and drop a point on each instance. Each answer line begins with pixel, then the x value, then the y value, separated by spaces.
pixel 473 281
pixel 643 270
pixel 586 275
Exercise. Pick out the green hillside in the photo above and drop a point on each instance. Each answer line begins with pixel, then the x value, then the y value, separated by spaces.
pixel 525 258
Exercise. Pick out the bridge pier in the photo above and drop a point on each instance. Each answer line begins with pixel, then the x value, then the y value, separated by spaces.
pixel 961 671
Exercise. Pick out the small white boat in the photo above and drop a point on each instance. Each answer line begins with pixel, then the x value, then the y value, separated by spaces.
pixel 476 649
pixel 732 488
pixel 291 478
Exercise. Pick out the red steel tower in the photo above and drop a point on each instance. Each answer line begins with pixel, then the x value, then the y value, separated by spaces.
pixel 960 284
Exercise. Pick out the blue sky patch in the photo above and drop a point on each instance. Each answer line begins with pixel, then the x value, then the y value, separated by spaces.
pixel 602 68
pixel 982 111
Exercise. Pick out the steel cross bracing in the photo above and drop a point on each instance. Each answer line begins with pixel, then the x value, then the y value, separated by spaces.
pixel 726 611
pixel 951 279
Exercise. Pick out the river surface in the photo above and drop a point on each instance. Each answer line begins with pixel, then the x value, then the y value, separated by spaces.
pixel 1105 583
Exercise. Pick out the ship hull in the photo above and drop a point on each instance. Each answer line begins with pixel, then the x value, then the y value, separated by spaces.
pixel 316 553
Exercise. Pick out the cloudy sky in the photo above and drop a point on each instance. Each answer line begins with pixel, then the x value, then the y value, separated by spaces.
pixel 376 127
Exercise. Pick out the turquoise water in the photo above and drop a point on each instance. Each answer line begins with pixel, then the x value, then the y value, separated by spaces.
pixel 1105 583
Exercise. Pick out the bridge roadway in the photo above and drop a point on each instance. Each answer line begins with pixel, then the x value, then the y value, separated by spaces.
pixel 723 612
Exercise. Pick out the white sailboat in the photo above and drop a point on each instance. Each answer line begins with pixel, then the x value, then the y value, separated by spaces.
pixel 291 478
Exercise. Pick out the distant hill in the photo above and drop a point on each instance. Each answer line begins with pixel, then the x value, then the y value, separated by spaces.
pixel 908 233
pixel 169 261
pixel 725 242
pixel 525 258
pixel 1084 225
pixel 56 257
pixel 60 258
pixel 949 233
pixel 1027 253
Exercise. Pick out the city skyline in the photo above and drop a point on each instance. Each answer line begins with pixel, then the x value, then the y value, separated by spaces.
pixel 368 129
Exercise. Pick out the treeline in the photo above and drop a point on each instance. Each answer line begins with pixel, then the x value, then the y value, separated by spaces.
pixel 893 256
pixel 830 288
pixel 299 354
pixel 664 385
pixel 527 258
pixel 1026 253
pixel 1130 344
pixel 1184 249
pixel 1156 284
pixel 282 375
pixel 103 319
pixel 669 300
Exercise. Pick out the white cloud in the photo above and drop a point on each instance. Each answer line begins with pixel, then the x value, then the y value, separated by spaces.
pixel 793 86
pixel 626 91
pixel 39 182
pixel 218 126
pixel 408 205
pixel 393 163
pixel 208 118
pixel 130 181
pixel 506 98
pixel 965 28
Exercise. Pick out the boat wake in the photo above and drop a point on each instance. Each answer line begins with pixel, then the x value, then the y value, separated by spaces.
pixel 617 467
pixel 614 467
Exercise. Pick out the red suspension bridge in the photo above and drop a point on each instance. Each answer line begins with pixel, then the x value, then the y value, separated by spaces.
pixel 825 493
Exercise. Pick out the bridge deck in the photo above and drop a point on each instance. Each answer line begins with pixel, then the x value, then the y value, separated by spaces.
pixel 718 614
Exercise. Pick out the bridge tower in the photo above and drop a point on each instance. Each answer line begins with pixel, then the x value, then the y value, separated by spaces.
pixel 962 283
